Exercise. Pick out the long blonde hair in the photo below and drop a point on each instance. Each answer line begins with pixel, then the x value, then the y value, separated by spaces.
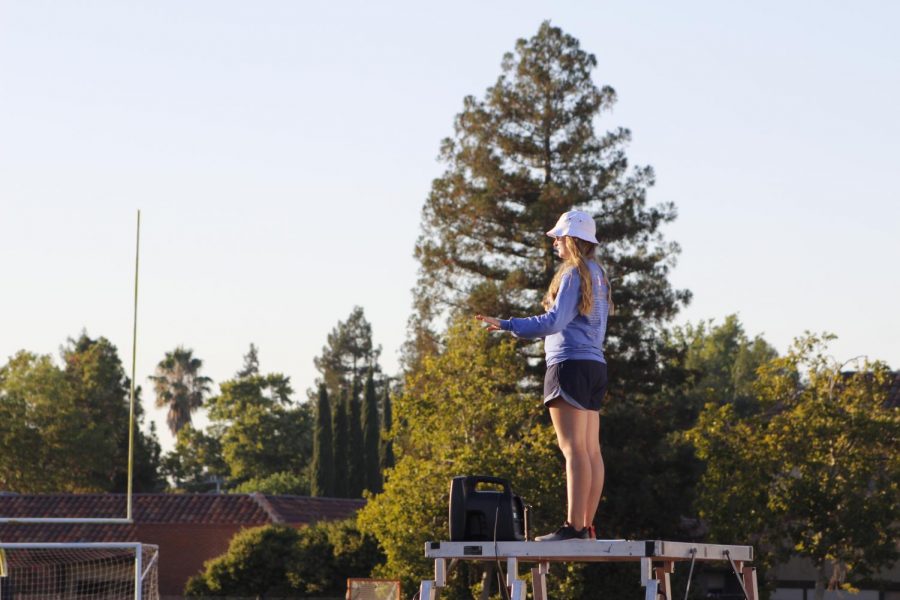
pixel 579 253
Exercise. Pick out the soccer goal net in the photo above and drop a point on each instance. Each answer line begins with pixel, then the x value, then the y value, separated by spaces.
pixel 83 571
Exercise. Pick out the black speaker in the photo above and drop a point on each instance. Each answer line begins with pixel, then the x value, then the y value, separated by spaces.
pixel 474 512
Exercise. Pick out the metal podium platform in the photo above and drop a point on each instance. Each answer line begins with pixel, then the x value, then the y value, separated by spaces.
pixel 656 557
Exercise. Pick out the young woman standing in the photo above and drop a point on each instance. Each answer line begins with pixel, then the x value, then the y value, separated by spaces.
pixel 573 328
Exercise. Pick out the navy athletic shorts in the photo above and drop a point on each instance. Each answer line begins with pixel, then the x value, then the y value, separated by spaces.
pixel 581 383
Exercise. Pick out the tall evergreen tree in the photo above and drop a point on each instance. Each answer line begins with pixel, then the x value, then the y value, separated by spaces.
pixel 251 363
pixel 348 354
pixel 179 386
pixel 356 462
pixel 519 158
pixel 341 441
pixel 386 451
pixel 371 436
pixel 322 479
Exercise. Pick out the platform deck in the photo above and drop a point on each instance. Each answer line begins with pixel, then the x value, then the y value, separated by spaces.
pixel 657 560
pixel 587 551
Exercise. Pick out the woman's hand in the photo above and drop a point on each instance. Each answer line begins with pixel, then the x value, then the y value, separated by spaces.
pixel 492 323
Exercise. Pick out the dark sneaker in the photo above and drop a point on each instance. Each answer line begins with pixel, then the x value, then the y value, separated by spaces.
pixel 566 532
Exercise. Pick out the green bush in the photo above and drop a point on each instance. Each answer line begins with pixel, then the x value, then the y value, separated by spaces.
pixel 279 561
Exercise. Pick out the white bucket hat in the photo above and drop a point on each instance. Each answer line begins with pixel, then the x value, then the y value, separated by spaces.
pixel 576 223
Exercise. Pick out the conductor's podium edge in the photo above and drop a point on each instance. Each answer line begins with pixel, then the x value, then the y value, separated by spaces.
pixel 656 557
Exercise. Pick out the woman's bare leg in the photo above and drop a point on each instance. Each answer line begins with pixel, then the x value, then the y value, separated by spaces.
pixel 572 425
pixel 592 447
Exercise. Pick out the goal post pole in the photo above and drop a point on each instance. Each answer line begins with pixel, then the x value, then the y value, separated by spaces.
pixel 129 504
pixel 131 423
pixel 138 571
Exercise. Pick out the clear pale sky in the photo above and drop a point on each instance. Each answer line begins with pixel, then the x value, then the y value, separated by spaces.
pixel 281 151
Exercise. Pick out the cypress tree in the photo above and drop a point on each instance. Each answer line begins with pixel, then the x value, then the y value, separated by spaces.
pixel 356 464
pixel 386 455
pixel 322 479
pixel 371 436
pixel 339 432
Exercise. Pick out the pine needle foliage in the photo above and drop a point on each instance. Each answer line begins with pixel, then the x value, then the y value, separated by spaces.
pixel 520 156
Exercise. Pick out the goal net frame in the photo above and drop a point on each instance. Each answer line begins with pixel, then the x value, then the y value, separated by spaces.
pixel 142 568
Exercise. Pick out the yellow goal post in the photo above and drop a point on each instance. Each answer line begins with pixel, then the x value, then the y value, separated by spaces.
pixel 129 513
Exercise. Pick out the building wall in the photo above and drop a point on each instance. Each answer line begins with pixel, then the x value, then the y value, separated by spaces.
pixel 183 548
pixel 798 576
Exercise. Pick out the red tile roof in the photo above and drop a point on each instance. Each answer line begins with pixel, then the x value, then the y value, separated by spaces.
pixel 245 510
pixel 301 509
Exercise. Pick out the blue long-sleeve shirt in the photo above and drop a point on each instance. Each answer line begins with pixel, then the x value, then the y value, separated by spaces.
pixel 569 335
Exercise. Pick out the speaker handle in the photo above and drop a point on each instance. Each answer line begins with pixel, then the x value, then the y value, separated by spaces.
pixel 476 479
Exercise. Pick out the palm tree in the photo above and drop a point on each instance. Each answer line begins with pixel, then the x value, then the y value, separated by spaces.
pixel 179 386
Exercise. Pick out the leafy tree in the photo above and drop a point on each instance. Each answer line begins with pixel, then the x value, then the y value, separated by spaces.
pixel 67 429
pixel 496 429
pixel 251 363
pixel 322 479
pixel 371 436
pixel 196 463
pixel 39 427
pixel 646 455
pixel 348 354
pixel 278 561
pixel 147 468
pixel 179 386
pixel 257 440
pixel 820 479
pixel 721 363
pixel 96 378
pixel 341 439
pixel 262 433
